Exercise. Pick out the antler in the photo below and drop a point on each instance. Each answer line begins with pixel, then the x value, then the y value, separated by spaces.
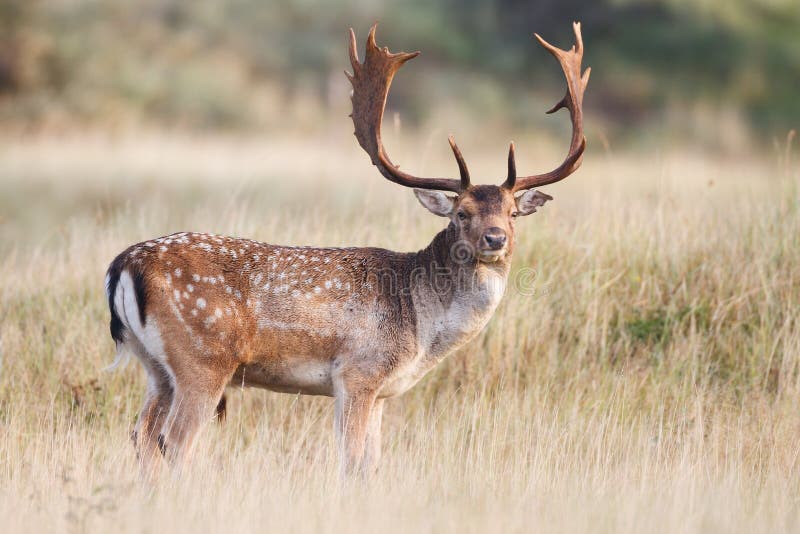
pixel 570 61
pixel 371 80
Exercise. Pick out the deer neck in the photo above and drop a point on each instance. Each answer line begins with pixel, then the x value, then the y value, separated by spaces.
pixel 454 294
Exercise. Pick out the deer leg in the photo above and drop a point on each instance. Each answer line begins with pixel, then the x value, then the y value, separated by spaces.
pixel 194 404
pixel 353 407
pixel 151 418
pixel 372 452
pixel 221 410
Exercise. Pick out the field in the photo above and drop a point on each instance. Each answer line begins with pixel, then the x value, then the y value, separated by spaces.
pixel 642 373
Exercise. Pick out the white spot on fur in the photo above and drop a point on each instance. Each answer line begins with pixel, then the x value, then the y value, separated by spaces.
pixel 201 303
pixel 178 272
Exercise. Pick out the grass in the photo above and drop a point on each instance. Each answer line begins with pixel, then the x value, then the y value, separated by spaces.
pixel 641 374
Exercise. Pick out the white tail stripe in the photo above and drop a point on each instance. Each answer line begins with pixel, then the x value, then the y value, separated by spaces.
pixel 147 335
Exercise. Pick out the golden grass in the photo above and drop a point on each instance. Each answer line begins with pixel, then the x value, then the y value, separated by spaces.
pixel 641 374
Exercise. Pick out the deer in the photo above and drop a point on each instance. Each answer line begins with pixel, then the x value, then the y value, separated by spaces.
pixel 202 312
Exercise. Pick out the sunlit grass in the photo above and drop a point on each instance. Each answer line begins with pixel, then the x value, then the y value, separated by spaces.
pixel 645 378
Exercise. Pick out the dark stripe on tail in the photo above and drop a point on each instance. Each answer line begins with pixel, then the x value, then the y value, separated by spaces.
pixel 141 294
pixel 114 270
pixel 120 264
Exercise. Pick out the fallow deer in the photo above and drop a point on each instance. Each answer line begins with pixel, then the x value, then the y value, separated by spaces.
pixel 202 311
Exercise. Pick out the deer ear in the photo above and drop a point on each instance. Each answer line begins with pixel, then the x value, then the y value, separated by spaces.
pixel 531 199
pixel 436 202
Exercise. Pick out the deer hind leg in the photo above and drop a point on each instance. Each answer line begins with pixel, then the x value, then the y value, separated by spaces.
pixel 194 403
pixel 353 406
pixel 157 401
pixel 221 411
pixel 150 421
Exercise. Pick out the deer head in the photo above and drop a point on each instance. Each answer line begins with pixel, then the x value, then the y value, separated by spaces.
pixel 483 215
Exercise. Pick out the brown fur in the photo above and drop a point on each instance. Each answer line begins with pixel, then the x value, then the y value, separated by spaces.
pixel 359 324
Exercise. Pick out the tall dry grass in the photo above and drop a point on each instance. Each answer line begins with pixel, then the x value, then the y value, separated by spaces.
pixel 641 373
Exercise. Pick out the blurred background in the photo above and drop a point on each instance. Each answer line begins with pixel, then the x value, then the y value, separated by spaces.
pixel 719 74
pixel 650 383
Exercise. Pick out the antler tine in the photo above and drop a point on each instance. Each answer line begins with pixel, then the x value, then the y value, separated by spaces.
pixel 570 61
pixel 512 167
pixel 462 165
pixel 371 80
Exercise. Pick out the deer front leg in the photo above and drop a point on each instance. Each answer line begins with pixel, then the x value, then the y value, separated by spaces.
pixel 372 452
pixel 353 407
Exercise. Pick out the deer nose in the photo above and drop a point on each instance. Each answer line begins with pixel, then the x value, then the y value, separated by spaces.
pixel 495 238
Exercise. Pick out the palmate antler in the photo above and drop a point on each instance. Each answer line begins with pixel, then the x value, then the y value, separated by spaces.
pixel 371 80
pixel 570 61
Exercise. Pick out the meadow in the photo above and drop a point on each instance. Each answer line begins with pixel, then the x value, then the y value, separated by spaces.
pixel 642 373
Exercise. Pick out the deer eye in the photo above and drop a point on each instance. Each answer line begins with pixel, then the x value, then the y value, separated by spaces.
pixel 514 214
pixel 462 216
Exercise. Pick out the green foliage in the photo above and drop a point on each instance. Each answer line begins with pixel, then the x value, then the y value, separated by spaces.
pixel 213 64
pixel 655 327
